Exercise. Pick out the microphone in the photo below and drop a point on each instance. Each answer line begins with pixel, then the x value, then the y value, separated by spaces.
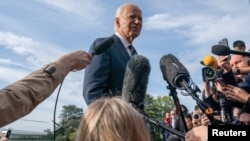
pixel 210 61
pixel 102 46
pixel 177 75
pixel 135 81
pixel 223 50
pixel 223 111
pixel 173 71
pixel 135 86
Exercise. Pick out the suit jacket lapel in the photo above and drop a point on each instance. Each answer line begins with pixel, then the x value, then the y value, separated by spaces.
pixel 120 48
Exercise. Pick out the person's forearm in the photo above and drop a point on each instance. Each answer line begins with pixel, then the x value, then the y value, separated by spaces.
pixel 21 97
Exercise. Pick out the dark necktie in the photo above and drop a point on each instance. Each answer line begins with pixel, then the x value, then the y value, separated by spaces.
pixel 132 50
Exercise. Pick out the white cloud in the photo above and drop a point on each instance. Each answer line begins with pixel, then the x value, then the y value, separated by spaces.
pixel 91 12
pixel 9 62
pixel 36 53
pixel 46 29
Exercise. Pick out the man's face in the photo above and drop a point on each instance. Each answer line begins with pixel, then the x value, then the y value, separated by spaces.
pixel 239 61
pixel 173 114
pixel 167 115
pixel 129 24
pixel 189 122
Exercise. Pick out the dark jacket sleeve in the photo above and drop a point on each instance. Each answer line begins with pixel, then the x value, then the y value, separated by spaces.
pixel 96 75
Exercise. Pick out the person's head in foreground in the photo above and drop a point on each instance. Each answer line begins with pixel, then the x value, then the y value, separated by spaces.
pixel 112 119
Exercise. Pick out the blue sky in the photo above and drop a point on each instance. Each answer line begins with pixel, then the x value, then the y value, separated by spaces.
pixel 36 32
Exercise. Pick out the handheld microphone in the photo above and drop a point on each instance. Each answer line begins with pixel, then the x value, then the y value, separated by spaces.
pixel 102 46
pixel 223 50
pixel 210 61
pixel 135 81
pixel 223 111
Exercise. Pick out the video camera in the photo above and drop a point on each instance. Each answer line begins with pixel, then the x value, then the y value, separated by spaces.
pixel 209 74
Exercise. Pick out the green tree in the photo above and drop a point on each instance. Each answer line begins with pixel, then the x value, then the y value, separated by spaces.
pixel 69 121
pixel 156 109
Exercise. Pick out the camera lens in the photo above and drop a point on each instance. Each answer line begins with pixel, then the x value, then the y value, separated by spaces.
pixel 209 73
pixel 196 116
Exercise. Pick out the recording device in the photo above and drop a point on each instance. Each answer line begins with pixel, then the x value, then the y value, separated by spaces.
pixel 5 134
pixel 96 50
pixel 223 110
pixel 211 71
pixel 178 76
pixel 226 116
pixel 8 133
pixel 209 74
pixel 136 80
pixel 102 46
pixel 173 71
pixel 223 50
pixel 135 86
pixel 197 117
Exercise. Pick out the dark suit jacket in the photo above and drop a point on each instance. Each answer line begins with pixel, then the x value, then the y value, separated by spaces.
pixel 104 75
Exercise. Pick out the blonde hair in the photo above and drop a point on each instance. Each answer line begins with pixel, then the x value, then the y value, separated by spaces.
pixel 112 119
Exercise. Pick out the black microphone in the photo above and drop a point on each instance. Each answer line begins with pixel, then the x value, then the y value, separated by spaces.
pixel 135 86
pixel 102 46
pixel 223 109
pixel 173 71
pixel 177 75
pixel 223 50
pixel 136 80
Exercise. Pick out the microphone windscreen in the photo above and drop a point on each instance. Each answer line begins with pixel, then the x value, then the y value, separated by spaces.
pixel 221 50
pixel 102 46
pixel 210 61
pixel 173 71
pixel 136 80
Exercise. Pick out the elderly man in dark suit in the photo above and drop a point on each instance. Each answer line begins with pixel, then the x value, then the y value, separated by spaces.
pixel 104 76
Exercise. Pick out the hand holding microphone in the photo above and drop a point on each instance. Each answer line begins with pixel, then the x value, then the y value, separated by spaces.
pixel 80 59
pixel 223 50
